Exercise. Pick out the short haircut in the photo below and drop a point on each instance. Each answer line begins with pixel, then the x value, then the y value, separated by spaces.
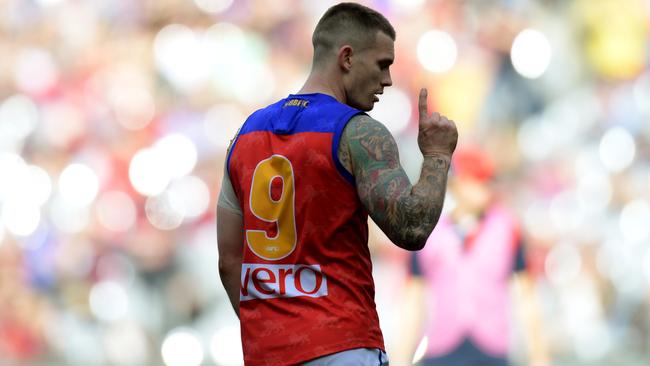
pixel 348 23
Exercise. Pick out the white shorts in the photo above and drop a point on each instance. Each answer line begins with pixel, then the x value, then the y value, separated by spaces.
pixel 352 357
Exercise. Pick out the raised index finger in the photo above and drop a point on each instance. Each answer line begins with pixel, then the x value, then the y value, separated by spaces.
pixel 422 103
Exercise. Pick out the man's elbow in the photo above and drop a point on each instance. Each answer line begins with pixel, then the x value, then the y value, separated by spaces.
pixel 228 266
pixel 412 242
pixel 418 243
pixel 414 235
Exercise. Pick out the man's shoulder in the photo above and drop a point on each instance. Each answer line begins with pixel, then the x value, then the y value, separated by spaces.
pixel 362 118
pixel 267 108
pixel 259 114
pixel 362 125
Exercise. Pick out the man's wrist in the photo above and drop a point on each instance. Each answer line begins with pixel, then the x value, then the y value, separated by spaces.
pixel 438 156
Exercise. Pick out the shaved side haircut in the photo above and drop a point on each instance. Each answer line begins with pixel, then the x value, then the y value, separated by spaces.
pixel 348 23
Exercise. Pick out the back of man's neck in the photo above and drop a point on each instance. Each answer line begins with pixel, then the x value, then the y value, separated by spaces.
pixel 317 84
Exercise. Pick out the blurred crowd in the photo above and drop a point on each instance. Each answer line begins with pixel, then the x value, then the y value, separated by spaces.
pixel 115 117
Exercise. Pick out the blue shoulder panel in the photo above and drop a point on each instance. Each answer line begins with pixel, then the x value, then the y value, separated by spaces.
pixel 304 113
pixel 299 113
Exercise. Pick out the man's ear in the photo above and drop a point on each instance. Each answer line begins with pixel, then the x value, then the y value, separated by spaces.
pixel 345 57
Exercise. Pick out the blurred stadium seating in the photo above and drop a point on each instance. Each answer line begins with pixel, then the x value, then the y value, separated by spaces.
pixel 115 117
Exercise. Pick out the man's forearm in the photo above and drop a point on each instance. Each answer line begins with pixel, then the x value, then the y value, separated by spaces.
pixel 422 206
pixel 430 189
pixel 230 244
pixel 230 278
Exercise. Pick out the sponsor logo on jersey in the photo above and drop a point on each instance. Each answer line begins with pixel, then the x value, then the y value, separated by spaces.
pixel 296 103
pixel 267 281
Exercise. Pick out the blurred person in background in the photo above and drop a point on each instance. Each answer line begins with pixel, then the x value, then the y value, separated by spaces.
pixel 301 177
pixel 459 293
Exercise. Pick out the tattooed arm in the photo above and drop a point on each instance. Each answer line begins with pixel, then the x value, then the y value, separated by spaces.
pixel 406 213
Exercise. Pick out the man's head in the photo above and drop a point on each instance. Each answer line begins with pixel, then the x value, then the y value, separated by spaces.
pixel 472 169
pixel 357 43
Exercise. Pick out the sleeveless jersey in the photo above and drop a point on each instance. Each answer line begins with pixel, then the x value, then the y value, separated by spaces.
pixel 306 280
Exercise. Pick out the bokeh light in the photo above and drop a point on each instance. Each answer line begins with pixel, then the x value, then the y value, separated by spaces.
pixel 410 6
pixel 78 185
pixel 642 92
pixel 634 220
pixel 152 169
pixel 531 53
pixel 563 264
pixel 77 24
pixel 182 347
pixel 18 117
pixel 20 219
pixel 66 217
pixel 564 211
pixel 593 343
pixel 213 6
pixel 178 154
pixel 437 51
pixel 221 123
pixel 225 346
pixel 62 123
pixel 646 266
pixel 178 56
pixel 594 191
pixel 23 184
pixel 47 3
pixel 535 138
pixel 165 211
pixel 38 184
pixel 615 39
pixel 116 211
pixel 148 173
pixel 75 259
pixel 12 166
pixel 109 301
pixel 36 71
pixel 134 108
pixel 129 336
pixel 73 339
pixel 192 194
pixel 617 149
pixel 247 77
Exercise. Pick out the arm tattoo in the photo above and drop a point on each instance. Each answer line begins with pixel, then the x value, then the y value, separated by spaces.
pixel 344 154
pixel 406 213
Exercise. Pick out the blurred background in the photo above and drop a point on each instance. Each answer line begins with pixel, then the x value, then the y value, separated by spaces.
pixel 115 117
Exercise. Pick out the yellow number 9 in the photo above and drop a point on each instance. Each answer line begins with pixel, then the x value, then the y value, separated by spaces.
pixel 264 207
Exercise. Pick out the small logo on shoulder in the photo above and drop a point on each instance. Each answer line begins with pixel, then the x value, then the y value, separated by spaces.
pixel 296 103
pixel 267 281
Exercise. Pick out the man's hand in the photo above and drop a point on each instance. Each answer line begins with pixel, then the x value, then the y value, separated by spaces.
pixel 437 135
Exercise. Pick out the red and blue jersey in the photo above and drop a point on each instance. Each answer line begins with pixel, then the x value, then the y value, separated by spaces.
pixel 306 280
